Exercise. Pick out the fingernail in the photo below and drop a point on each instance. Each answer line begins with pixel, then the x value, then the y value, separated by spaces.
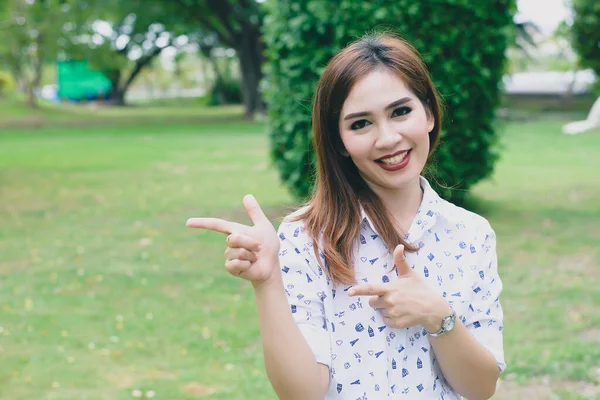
pixel 351 292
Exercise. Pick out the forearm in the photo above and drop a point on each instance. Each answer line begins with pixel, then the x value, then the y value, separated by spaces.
pixel 290 363
pixel 467 366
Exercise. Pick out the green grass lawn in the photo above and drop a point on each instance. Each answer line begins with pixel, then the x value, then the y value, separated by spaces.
pixel 104 291
pixel 15 114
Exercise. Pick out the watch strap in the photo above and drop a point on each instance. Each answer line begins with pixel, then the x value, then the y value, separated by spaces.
pixel 443 329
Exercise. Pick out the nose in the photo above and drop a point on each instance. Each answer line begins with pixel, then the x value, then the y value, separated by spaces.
pixel 387 136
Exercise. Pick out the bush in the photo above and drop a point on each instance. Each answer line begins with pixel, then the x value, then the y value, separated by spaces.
pixel 225 91
pixel 7 83
pixel 586 35
pixel 462 42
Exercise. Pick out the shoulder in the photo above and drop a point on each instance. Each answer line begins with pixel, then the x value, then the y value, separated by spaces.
pixel 293 231
pixel 456 217
pixel 296 245
pixel 292 222
pixel 470 223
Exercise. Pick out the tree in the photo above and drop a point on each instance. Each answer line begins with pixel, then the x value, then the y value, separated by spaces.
pixel 462 42
pixel 586 34
pixel 34 31
pixel 123 38
pixel 237 24
pixel 524 36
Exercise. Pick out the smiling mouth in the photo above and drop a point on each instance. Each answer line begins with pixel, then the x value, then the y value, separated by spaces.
pixel 394 159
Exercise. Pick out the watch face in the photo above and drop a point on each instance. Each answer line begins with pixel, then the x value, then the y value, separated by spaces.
pixel 448 323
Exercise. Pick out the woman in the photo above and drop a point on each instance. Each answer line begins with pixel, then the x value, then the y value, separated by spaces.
pixel 377 287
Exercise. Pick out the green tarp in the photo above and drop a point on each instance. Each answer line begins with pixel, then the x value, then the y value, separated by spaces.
pixel 77 81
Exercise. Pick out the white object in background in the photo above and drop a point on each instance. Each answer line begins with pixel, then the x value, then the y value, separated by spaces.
pixel 592 121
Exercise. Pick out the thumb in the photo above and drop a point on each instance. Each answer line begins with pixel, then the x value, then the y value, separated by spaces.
pixel 400 261
pixel 254 211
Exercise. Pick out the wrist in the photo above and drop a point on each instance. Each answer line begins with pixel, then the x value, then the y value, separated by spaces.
pixel 273 281
pixel 440 310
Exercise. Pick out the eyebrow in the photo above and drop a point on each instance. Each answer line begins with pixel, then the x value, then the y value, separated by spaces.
pixel 391 105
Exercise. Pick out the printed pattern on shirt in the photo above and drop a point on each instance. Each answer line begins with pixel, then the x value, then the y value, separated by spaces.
pixel 367 359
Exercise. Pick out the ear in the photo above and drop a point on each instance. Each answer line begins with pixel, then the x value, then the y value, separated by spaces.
pixel 430 119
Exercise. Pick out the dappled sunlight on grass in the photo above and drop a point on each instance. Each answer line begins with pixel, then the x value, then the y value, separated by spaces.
pixel 107 295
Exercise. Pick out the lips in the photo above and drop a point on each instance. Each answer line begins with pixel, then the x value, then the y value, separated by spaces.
pixel 394 158
pixel 396 161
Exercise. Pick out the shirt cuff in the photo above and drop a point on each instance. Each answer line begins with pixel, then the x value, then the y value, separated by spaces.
pixel 491 339
pixel 318 340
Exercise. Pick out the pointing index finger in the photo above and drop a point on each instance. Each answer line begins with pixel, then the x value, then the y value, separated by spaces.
pixel 369 289
pixel 214 224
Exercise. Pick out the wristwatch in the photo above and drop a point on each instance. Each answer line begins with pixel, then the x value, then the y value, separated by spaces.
pixel 447 325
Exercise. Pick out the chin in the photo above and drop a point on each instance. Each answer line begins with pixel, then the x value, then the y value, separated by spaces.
pixel 406 182
pixel 399 183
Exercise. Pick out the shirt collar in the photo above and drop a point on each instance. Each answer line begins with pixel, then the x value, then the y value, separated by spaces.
pixel 432 206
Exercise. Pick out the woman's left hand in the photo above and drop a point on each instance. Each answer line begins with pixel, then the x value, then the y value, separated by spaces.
pixel 407 301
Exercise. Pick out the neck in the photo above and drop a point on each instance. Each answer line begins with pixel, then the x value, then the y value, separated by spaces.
pixel 402 203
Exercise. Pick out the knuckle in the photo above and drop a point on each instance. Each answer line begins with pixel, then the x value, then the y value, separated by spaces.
pixel 234 267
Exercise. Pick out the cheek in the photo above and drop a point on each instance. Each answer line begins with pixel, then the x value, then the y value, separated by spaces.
pixel 356 146
pixel 423 139
pixel 420 134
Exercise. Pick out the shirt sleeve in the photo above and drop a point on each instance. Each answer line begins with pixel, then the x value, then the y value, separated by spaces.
pixel 484 314
pixel 306 288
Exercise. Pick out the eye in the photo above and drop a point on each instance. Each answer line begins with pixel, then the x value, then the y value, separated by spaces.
pixel 361 123
pixel 400 111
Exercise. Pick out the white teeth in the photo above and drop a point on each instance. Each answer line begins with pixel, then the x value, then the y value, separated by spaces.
pixel 395 159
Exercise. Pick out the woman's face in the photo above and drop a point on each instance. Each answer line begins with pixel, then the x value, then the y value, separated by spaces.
pixel 385 129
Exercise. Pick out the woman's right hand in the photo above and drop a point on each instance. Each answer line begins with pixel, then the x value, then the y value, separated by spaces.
pixel 252 251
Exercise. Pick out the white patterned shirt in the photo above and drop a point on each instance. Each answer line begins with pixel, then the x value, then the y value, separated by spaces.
pixel 367 359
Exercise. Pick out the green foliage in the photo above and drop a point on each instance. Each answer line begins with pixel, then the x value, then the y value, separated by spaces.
pixel 225 91
pixel 586 34
pixel 7 83
pixel 137 33
pixel 232 24
pixel 33 33
pixel 462 42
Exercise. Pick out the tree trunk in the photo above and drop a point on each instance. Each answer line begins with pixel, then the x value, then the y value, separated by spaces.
pixel 16 71
pixel 38 63
pixel 117 96
pixel 118 90
pixel 249 51
pixel 31 102
pixel 218 84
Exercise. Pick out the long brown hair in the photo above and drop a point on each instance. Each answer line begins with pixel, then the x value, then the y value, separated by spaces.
pixel 334 208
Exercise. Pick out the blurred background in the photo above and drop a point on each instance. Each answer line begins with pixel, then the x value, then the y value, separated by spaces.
pixel 121 119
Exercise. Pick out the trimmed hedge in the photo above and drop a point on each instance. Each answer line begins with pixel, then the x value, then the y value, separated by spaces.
pixel 586 35
pixel 463 43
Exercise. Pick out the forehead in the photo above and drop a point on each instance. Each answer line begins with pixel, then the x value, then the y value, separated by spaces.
pixel 375 91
